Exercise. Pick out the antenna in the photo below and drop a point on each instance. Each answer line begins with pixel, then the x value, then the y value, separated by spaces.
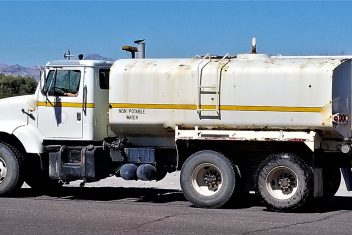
pixel 68 56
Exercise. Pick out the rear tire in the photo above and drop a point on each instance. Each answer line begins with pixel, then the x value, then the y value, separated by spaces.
pixel 11 178
pixel 209 179
pixel 284 182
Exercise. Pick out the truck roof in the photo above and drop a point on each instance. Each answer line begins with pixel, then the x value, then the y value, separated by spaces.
pixel 88 63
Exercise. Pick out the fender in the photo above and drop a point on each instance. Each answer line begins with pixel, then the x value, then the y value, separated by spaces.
pixel 14 121
pixel 30 137
pixel 10 126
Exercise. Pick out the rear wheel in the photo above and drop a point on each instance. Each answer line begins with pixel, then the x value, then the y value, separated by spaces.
pixel 284 182
pixel 208 179
pixel 10 169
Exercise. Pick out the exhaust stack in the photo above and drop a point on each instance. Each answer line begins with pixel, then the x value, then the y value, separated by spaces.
pixel 140 49
pixel 254 46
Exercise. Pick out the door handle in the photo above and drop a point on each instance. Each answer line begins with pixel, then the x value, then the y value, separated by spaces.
pixel 79 116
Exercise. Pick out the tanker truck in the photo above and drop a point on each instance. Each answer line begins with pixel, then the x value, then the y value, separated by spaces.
pixel 277 126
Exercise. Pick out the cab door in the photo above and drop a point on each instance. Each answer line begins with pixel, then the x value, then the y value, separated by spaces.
pixel 60 104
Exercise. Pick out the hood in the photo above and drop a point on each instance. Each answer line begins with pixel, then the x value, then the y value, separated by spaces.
pixel 15 112
pixel 24 99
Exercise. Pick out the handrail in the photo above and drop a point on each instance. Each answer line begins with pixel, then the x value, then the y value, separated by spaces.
pixel 199 73
pixel 217 82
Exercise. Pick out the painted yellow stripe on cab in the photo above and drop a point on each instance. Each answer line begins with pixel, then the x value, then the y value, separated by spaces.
pixel 65 104
pixel 222 107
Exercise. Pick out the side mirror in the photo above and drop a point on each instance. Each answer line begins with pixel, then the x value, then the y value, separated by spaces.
pixel 42 78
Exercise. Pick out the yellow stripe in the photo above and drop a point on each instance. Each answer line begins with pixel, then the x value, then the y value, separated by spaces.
pixel 273 108
pixel 155 106
pixel 65 104
pixel 222 107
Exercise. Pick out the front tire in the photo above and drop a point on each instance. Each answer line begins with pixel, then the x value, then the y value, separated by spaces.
pixel 208 179
pixel 284 182
pixel 10 170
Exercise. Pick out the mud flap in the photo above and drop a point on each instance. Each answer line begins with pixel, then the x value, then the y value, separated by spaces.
pixel 318 182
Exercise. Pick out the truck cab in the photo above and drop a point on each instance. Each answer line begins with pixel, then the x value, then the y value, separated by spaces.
pixel 69 108
pixel 70 103
pixel 72 100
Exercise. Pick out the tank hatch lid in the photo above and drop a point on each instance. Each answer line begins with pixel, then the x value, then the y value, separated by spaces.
pixel 253 56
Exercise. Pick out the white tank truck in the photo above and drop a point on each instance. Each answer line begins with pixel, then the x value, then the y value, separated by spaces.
pixel 279 126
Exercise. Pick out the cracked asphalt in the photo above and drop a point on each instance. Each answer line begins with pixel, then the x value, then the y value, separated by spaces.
pixel 102 209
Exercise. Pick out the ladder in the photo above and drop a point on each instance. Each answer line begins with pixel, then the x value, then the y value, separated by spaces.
pixel 210 89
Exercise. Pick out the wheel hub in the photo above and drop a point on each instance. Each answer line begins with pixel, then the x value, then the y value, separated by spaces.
pixel 282 182
pixel 207 179
pixel 286 183
pixel 3 171
pixel 212 180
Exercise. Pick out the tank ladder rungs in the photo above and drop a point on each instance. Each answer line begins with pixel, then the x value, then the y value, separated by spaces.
pixel 216 87
pixel 202 86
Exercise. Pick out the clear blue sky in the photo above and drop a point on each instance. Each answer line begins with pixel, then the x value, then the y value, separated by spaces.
pixel 32 33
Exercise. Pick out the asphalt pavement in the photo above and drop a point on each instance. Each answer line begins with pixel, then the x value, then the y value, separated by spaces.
pixel 113 207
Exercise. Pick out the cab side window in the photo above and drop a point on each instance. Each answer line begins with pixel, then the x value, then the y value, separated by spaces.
pixel 62 83
pixel 104 78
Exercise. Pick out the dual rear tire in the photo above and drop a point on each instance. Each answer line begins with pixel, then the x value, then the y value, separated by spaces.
pixel 284 182
pixel 209 179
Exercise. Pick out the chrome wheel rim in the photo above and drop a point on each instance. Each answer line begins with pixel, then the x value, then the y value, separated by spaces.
pixel 282 182
pixel 207 179
pixel 3 170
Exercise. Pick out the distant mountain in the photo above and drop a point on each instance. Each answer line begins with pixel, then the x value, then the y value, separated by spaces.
pixel 18 70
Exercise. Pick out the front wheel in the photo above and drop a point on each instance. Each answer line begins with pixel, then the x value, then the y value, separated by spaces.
pixel 10 171
pixel 284 182
pixel 208 179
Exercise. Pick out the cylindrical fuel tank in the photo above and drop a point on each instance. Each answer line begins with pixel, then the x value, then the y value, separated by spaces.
pixel 146 172
pixel 128 171
pixel 149 97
